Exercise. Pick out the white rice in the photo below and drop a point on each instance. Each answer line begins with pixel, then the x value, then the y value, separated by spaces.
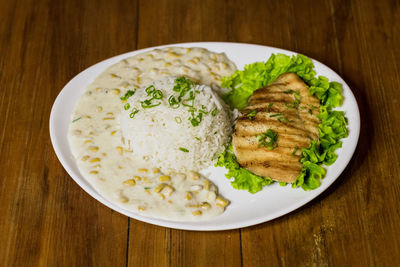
pixel 159 134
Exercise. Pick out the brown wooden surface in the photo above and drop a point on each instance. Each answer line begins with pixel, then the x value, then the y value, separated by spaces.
pixel 46 219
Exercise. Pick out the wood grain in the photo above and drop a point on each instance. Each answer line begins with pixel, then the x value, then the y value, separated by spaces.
pixel 48 220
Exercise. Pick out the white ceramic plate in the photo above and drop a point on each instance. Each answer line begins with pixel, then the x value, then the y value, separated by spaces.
pixel 245 209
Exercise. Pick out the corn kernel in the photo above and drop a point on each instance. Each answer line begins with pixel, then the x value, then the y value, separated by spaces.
pixel 156 170
pixel 113 75
pixel 164 178
pixel 93 172
pixel 159 188
pixel 196 59
pixel 137 178
pixel 205 206
pixel 173 54
pixel 167 64
pixel 113 133
pixel 85 158
pixel 168 190
pixel 120 150
pixel 130 182
pixel 207 185
pixel 188 196
pixel 161 196
pixel 124 200
pixel 197 213
pixel 94 160
pixel 221 202
pixel 141 208
pixel 109 118
pixel 99 108
pixel 94 148
pixel 143 170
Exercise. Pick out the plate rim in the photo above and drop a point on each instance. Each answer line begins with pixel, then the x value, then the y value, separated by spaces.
pixel 188 225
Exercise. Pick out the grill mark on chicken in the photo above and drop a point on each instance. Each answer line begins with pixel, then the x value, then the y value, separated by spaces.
pixel 281 163
pixel 289 141
pixel 254 127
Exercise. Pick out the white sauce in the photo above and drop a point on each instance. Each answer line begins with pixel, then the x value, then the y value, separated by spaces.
pixel 108 164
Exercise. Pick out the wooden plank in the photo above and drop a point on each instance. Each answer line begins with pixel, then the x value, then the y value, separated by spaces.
pixel 149 245
pixel 205 248
pixel 48 219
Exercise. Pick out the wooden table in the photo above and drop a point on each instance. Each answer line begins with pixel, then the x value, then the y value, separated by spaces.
pixel 48 220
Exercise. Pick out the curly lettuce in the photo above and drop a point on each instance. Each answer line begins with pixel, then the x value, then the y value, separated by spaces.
pixel 242 84
pixel 242 178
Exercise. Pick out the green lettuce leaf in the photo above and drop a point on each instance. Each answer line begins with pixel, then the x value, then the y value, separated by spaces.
pixel 243 83
pixel 242 178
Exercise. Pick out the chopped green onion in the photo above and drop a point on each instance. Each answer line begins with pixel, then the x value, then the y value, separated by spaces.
pixel 157 94
pixel 183 149
pixel 268 139
pixel 133 112
pixel 173 102
pixel 288 91
pixel 178 120
pixel 127 106
pixel 252 114
pixel 77 119
pixel 149 90
pixel 310 111
pixel 276 115
pixel 196 120
pixel 294 151
pixel 127 95
pixel 147 105
pixel 214 112
pixel 284 119
pixel 269 107
pixel 282 183
pixel 197 138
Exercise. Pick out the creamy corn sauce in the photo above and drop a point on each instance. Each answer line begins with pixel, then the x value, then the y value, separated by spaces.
pixel 104 158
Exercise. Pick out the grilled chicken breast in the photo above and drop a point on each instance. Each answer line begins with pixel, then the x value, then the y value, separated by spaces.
pixel 289 111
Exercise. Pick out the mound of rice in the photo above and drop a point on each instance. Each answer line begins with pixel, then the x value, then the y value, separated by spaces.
pixel 165 137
